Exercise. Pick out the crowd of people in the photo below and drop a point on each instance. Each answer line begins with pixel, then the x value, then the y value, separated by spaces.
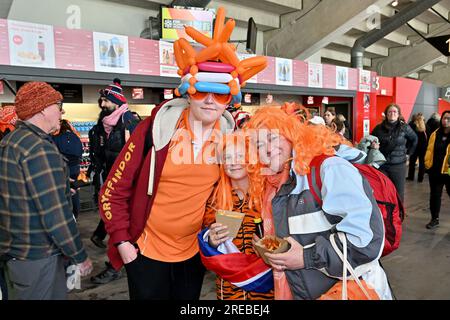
pixel 161 182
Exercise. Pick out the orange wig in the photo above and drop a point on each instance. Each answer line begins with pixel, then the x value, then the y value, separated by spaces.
pixel 222 197
pixel 307 142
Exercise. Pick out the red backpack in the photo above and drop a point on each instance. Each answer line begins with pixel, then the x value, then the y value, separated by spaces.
pixel 385 194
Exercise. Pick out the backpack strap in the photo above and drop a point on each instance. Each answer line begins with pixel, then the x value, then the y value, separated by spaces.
pixel 314 179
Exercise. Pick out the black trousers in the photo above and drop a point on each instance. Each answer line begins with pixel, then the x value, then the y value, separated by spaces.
pixel 412 166
pixel 437 183
pixel 100 231
pixel 149 279
pixel 397 174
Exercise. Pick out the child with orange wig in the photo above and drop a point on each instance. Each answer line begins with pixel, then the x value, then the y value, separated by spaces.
pixel 231 194
pixel 347 214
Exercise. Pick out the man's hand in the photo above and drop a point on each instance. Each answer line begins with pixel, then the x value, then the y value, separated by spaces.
pixel 127 252
pixel 289 260
pixel 85 267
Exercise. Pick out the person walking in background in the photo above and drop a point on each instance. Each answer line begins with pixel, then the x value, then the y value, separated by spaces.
pixel 97 138
pixel 37 227
pixel 418 125
pixel 433 123
pixel 69 144
pixel 118 124
pixel 437 163
pixel 397 140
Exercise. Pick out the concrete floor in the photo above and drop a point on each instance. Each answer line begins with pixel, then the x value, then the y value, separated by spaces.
pixel 419 269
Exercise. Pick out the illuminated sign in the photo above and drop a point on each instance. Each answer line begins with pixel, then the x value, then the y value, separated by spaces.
pixel 174 20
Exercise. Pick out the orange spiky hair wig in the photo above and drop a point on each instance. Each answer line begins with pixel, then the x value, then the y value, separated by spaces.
pixel 307 142
pixel 216 68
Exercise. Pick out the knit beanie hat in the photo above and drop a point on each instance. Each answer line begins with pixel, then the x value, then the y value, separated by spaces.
pixel 33 97
pixel 114 93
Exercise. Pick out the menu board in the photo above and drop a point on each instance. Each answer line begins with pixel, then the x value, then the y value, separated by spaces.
pixel 31 45
pixel 353 79
pixel 267 76
pixel 315 75
pixel 37 45
pixel 74 49
pixel 4 42
pixel 300 73
pixel 329 76
pixel 144 56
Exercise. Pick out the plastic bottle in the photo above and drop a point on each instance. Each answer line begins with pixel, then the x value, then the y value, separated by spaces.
pixel 259 227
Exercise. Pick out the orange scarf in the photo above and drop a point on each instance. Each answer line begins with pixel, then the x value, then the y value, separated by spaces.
pixel 273 184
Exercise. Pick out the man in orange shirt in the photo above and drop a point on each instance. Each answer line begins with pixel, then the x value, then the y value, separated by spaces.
pixel 153 201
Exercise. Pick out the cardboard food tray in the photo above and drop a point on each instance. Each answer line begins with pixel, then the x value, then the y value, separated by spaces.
pixel 284 246
pixel 231 219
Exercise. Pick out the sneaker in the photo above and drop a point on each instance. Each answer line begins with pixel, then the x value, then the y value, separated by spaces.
pixel 98 242
pixel 107 275
pixel 434 223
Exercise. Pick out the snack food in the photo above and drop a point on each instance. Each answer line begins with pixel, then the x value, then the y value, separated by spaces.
pixel 271 244
pixel 231 219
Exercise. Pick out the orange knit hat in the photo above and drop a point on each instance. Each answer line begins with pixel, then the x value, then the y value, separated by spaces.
pixel 33 97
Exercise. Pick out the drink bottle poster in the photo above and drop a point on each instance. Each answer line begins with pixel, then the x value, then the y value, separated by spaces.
pixel 283 69
pixel 342 78
pixel 111 53
pixel 31 44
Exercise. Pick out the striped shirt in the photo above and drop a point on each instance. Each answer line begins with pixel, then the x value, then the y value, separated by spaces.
pixel 36 219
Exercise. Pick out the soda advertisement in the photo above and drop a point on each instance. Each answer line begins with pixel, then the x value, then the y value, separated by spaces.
pixel 31 45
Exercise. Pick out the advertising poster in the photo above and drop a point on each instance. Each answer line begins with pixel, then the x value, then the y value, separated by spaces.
pixel 300 73
pixel 315 75
pixel 4 42
pixel 74 49
pixel 267 76
pixel 365 81
pixel 341 78
pixel 174 20
pixel 366 127
pixel 111 53
pixel 283 71
pixel 167 64
pixel 243 56
pixel 144 56
pixel 31 45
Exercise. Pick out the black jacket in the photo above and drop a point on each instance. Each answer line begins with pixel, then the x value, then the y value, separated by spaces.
pixel 396 141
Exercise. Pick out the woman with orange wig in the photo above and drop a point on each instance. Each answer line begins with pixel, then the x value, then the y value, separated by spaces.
pixel 231 194
pixel 346 215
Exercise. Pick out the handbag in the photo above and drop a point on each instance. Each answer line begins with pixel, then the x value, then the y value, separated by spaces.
pixel 347 289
